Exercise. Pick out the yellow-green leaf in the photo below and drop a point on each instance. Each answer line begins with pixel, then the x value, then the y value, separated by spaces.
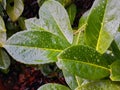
pixel 35 47
pixel 14 9
pixel 53 18
pixel 115 71
pixel 100 85
pixel 84 62
pixel 2 32
pixel 102 24
pixel 4 59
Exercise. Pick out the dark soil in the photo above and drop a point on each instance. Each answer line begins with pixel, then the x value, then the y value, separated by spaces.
pixel 22 77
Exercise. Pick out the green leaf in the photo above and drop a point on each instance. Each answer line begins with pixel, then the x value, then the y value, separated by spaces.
pixel 100 85
pixel 35 47
pixel 21 22
pixel 35 24
pixel 65 2
pixel 70 79
pixel 117 40
pixel 84 62
pixel 52 86
pixel 4 59
pixel 72 10
pixel 56 20
pixel 115 48
pixel 115 71
pixel 2 32
pixel 79 38
pixel 102 24
pixel 83 20
pixel 14 9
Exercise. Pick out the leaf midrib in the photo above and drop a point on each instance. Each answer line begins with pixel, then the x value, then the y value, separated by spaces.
pixel 58 26
pixel 101 26
pixel 56 50
pixel 95 65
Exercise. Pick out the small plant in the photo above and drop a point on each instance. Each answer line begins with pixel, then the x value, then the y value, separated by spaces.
pixel 88 58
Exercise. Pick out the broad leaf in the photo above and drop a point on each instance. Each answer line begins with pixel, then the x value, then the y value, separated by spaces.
pixel 2 32
pixel 72 10
pixel 102 24
pixel 35 24
pixel 52 86
pixel 14 9
pixel 74 81
pixel 115 71
pixel 70 79
pixel 35 47
pixel 84 62
pixel 56 20
pixel 100 85
pixel 4 59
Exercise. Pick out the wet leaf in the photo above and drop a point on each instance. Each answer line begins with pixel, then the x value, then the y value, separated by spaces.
pixel 4 59
pixel 102 24
pixel 115 71
pixel 100 85
pixel 35 24
pixel 53 18
pixel 72 10
pixel 2 32
pixel 70 79
pixel 14 9
pixel 84 62
pixel 53 86
pixel 35 47
pixel 56 20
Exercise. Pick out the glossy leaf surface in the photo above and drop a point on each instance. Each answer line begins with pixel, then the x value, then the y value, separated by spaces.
pixel 100 85
pixel 51 86
pixel 14 9
pixel 4 59
pixel 53 18
pixel 56 20
pixel 70 79
pixel 35 47
pixel 84 62
pixel 102 24
pixel 2 32
pixel 115 71
pixel 35 24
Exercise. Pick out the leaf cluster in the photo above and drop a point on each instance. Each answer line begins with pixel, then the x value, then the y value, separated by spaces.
pixel 88 57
